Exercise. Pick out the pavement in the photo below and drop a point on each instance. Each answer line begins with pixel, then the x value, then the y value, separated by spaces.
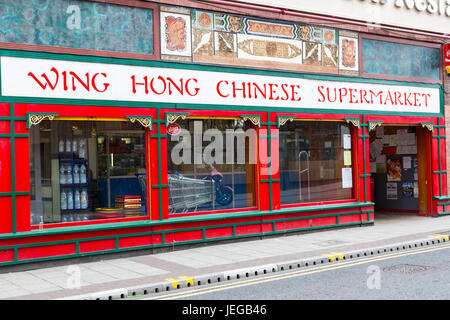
pixel 116 277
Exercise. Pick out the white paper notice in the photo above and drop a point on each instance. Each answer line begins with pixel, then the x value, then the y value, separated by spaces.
pixel 347 141
pixel 406 162
pixel 347 178
pixel 391 191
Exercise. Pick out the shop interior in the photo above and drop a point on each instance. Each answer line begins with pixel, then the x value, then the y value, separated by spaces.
pixel 397 167
pixel 86 170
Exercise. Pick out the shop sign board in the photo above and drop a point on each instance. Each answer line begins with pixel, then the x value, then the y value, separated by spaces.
pixel 43 78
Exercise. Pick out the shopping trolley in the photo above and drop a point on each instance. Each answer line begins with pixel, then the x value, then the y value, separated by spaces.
pixel 303 157
pixel 185 194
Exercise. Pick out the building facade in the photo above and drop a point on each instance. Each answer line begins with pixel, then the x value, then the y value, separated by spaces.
pixel 130 125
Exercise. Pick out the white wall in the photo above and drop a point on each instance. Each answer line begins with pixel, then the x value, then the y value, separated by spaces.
pixel 426 15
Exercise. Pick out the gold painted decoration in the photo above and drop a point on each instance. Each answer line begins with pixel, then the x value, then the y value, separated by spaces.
pixel 35 119
pixel 173 117
pixel 203 42
pixel 268 48
pixel 374 124
pixel 256 120
pixel 428 126
pixel 283 120
pixel 225 44
pixel 330 55
pixel 269 29
pixel 312 53
pixel 354 121
pixel 145 122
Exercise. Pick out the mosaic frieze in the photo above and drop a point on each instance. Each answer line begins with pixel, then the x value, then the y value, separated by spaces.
pixel 220 38
pixel 77 24
pixel 400 60
pixel 272 49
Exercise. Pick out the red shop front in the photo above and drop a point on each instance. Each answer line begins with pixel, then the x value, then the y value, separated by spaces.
pixel 102 157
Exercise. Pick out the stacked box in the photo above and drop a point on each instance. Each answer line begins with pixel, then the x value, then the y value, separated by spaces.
pixel 131 205
pixel 108 213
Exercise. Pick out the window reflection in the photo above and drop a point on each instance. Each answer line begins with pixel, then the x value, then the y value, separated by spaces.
pixel 315 162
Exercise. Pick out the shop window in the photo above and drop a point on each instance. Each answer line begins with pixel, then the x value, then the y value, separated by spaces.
pixel 211 165
pixel 86 170
pixel 315 162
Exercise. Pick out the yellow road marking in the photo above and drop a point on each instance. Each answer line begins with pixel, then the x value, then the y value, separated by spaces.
pixel 292 274
pixel 189 280
pixel 442 236
pixel 339 255
pixel 175 282
pixel 329 256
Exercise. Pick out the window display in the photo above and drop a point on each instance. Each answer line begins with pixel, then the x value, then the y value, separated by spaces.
pixel 315 162
pixel 86 170
pixel 211 165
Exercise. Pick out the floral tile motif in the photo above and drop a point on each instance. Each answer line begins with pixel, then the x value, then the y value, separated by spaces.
pixel 348 54
pixel 175 34
pixel 202 20
pixel 330 36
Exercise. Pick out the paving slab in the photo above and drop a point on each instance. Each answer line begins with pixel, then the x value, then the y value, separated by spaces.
pixel 114 273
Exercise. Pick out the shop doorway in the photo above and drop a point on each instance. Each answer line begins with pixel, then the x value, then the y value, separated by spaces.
pixel 398 162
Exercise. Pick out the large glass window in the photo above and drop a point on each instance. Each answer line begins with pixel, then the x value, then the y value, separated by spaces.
pixel 211 165
pixel 315 162
pixel 86 170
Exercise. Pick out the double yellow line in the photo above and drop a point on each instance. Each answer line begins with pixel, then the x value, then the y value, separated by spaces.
pixel 289 274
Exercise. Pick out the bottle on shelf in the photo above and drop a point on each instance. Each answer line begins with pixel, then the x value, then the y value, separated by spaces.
pixel 82 149
pixel 84 199
pixel 83 178
pixel 76 174
pixel 69 174
pixel 70 200
pixel 68 146
pixel 61 145
pixel 63 200
pixel 74 145
pixel 62 174
pixel 77 199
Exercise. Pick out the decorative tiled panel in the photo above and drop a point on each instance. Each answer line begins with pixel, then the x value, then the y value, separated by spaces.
pixel 349 53
pixel 77 24
pixel 400 60
pixel 220 38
